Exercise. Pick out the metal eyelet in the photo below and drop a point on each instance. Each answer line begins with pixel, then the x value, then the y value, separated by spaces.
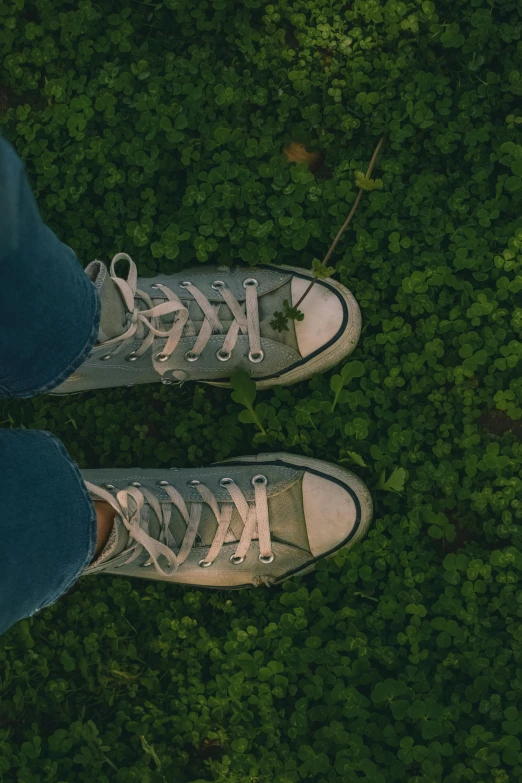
pixel 217 284
pixel 257 357
pixel 162 483
pixel 190 356
pixel 107 356
pixel 161 357
pixel 236 560
pixel 267 559
pixel 110 486
pixel 224 482
pixel 204 564
pixel 260 479
pixel 193 483
pixel 131 357
pixel 250 281
pixel 166 382
pixel 222 355
pixel 184 284
pixel 154 285
pixel 135 484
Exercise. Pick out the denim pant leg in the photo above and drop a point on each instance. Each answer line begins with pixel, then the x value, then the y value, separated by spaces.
pixel 49 309
pixel 48 525
pixel 49 320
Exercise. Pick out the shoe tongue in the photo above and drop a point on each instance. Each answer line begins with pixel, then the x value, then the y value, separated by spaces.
pixel 113 321
pixel 119 538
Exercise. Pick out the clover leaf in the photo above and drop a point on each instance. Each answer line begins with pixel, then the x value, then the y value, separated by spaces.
pixel 279 322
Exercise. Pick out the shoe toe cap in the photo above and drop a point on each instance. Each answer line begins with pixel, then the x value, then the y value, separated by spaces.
pixel 330 513
pixel 323 315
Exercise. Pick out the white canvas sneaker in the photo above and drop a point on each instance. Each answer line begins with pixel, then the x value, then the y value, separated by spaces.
pixel 241 523
pixel 203 324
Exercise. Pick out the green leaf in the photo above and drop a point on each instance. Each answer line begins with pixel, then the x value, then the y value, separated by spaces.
pixel 279 322
pixel 180 122
pixel 367 183
pixel 245 393
pixel 513 184
pixel 395 483
pixel 244 388
pixel 240 745
pixel 352 370
pixel 246 417
pixel 354 457
pixel 431 729
pixel 322 272
pixel 165 123
pixel 388 690
pixel 337 382
pixel 417 710
pixel 399 708
pixel 443 639
pixel 222 135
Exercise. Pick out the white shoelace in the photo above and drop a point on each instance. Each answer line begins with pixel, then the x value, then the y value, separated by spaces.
pixel 247 324
pixel 254 517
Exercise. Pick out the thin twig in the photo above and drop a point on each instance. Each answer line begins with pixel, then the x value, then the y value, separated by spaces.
pixel 347 221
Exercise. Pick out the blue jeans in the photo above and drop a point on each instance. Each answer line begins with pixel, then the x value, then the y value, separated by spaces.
pixel 49 319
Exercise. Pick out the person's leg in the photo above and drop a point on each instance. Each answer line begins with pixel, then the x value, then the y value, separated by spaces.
pixel 48 523
pixel 49 308
pixel 50 528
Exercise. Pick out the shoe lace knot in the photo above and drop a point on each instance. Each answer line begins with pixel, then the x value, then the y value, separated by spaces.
pixel 244 321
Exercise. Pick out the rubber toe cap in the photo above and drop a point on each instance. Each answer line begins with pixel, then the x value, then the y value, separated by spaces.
pixel 323 316
pixel 329 511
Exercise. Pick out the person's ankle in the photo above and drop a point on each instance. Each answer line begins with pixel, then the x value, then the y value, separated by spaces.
pixel 105 514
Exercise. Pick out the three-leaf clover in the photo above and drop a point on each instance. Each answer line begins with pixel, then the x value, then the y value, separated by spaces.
pixel 279 322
